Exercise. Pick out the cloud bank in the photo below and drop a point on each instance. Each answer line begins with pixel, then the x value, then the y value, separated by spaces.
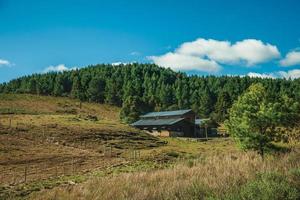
pixel 208 55
pixel 291 74
pixel 291 59
pixel 58 68
pixel 179 62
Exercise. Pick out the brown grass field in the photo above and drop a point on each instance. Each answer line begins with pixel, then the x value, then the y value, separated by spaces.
pixel 55 148
pixel 212 177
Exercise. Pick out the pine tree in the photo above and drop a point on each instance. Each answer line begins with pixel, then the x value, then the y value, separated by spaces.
pixel 58 86
pixel 130 111
pixel 205 103
pixel 222 106
pixel 76 91
pixel 96 90
pixel 111 93
pixel 32 86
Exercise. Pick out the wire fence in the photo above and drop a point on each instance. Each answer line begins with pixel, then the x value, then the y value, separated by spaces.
pixel 25 173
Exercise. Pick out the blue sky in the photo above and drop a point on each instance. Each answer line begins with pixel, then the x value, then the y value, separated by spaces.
pixel 255 38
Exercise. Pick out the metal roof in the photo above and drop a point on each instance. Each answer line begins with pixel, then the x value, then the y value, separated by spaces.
pixel 156 122
pixel 166 113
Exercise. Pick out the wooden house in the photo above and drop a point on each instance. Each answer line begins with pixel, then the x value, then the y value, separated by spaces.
pixel 168 123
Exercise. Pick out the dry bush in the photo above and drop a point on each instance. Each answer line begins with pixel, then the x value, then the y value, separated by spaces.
pixel 196 179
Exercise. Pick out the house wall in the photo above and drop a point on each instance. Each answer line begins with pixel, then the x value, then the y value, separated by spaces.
pixel 166 133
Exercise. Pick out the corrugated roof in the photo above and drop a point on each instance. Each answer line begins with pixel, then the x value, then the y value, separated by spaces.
pixel 166 113
pixel 156 122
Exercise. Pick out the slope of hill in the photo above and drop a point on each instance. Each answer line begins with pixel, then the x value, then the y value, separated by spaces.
pixel 53 141
pixel 34 104
pixel 52 136
pixel 140 88
pixel 60 146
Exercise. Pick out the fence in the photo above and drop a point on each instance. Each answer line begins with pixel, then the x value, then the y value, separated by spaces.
pixel 25 173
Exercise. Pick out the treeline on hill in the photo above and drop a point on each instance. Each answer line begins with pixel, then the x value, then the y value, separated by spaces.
pixel 140 88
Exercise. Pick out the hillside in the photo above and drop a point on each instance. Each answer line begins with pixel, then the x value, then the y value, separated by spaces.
pixel 50 146
pixel 50 141
pixel 139 88
pixel 35 105
pixel 51 136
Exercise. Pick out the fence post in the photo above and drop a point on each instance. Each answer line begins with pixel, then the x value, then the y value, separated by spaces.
pixel 72 165
pixel 110 151
pixel 43 134
pixel 14 178
pixel 10 121
pixel 25 174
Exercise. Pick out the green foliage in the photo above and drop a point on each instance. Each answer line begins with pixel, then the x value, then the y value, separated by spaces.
pixel 158 88
pixel 222 106
pixel 173 154
pixel 76 91
pixel 205 103
pixel 130 111
pixel 253 118
pixel 96 90
pixel 268 186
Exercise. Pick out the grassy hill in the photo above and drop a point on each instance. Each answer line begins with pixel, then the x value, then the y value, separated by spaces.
pixel 57 148
pixel 53 136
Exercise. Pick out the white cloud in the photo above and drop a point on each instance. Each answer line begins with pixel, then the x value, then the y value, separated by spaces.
pixel 58 68
pixel 178 61
pixel 4 62
pixel 208 54
pixel 122 63
pixel 258 75
pixel 292 58
pixel 249 51
pixel 291 74
pixel 118 63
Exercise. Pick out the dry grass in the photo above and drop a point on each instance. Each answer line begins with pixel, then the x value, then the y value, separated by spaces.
pixel 33 104
pixel 50 136
pixel 211 176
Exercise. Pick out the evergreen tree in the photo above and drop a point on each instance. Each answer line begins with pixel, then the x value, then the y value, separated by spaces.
pixel 111 93
pixel 131 110
pixel 158 88
pixel 76 91
pixel 182 93
pixel 58 86
pixel 96 90
pixel 32 84
pixel 222 106
pixel 205 103
pixel 166 96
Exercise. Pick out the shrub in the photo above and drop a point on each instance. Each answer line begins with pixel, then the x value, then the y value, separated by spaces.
pixel 267 186
pixel 173 154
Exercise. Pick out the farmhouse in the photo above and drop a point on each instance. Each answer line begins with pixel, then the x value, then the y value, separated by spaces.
pixel 168 123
